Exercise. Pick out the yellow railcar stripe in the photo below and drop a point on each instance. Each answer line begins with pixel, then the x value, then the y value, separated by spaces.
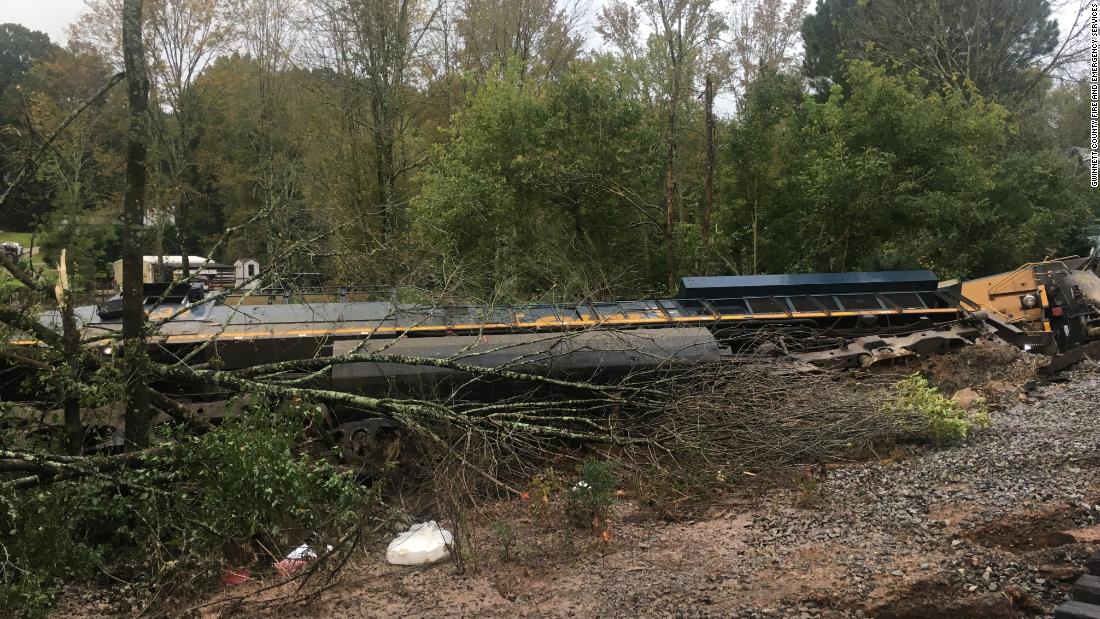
pixel 539 327
pixel 474 328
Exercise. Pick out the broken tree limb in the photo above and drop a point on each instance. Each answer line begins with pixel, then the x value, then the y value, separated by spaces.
pixel 25 324
pixel 17 359
pixel 30 279
pixel 320 363
pixel 175 410
pixel 412 413
pixel 51 468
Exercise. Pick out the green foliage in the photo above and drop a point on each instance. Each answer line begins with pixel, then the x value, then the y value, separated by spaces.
pixel 1000 55
pixel 19 48
pixel 530 185
pixel 589 500
pixel 45 540
pixel 891 176
pixel 505 535
pixel 938 417
pixel 207 501
pixel 520 196
pixel 821 36
pixel 262 487
pixel 81 173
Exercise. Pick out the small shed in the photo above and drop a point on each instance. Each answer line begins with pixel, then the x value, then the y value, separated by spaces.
pixel 159 269
pixel 247 269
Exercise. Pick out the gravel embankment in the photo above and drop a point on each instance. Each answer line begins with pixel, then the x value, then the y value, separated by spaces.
pixel 1009 511
pixel 996 527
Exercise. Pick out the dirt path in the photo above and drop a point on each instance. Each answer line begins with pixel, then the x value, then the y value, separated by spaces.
pixel 995 528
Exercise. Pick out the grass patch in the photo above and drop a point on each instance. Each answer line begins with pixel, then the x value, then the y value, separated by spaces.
pixel 24 239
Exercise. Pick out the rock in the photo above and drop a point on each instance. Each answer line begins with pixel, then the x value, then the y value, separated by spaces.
pixel 968 398
pixel 932 515
pixel 1060 572
pixel 1000 386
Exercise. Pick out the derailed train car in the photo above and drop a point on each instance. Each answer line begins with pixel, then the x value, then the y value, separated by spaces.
pixel 839 318
pixel 822 318
pixel 711 314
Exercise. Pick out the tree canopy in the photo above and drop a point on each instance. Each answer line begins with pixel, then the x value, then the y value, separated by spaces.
pixel 999 46
pixel 504 148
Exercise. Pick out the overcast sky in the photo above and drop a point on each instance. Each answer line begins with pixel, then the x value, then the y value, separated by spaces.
pixel 49 16
pixel 54 16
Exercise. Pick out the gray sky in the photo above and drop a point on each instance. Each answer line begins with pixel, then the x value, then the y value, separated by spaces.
pixel 49 16
pixel 54 16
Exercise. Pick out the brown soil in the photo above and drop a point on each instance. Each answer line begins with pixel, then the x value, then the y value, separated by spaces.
pixel 992 368
pixel 563 573
pixel 1028 530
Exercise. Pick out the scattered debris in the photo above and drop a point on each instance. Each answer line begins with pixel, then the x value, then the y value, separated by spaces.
pixel 236 576
pixel 991 369
pixel 974 530
pixel 295 560
pixel 422 544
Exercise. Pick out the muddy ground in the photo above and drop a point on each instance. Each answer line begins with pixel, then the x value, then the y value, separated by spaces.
pixel 996 527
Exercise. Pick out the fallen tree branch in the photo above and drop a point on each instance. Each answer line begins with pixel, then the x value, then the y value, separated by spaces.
pixel 411 413
pixel 308 365
pixel 175 410
pixel 48 468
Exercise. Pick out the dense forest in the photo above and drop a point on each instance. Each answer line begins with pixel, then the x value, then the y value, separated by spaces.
pixel 537 149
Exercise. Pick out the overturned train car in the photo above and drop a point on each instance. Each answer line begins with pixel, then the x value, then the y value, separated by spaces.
pixel 826 317
pixel 840 319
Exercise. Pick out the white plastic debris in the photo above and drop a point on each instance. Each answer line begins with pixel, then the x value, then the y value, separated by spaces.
pixel 302 552
pixel 422 544
pixel 296 560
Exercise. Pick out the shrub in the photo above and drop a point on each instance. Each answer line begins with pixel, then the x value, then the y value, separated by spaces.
pixel 589 500
pixel 505 535
pixel 203 503
pixel 248 480
pixel 936 416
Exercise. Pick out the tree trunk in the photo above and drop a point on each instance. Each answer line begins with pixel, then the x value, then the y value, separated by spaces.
pixel 74 429
pixel 70 337
pixel 708 191
pixel 755 224
pixel 670 186
pixel 384 158
pixel 133 216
